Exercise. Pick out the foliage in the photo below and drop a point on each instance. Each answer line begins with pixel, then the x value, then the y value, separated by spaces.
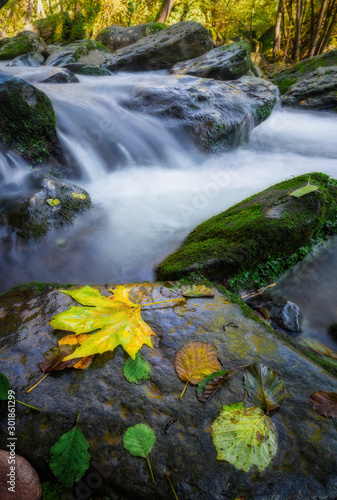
pixel 4 387
pixel 207 387
pixel 136 370
pixel 139 441
pixel 70 457
pixel 194 361
pixel 321 350
pixel 298 193
pixel 244 437
pixel 325 403
pixel 265 387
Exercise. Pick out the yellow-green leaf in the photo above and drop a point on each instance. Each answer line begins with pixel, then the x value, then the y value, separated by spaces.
pixel 79 196
pixel 117 318
pixel 53 201
pixel 244 437
pixel 309 188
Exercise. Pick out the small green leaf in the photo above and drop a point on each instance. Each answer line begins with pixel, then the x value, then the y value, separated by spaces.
pixel 309 188
pixel 53 201
pixel 136 370
pixel 138 441
pixel 4 387
pixel 244 437
pixel 265 387
pixel 79 196
pixel 70 457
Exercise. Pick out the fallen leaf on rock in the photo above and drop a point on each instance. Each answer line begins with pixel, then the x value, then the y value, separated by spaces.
pixel 298 193
pixel 53 201
pixel 74 339
pixel 190 291
pixel 265 387
pixel 4 387
pixel 325 403
pixel 53 359
pixel 138 441
pixel 207 387
pixel 244 437
pixel 195 361
pixel 136 370
pixel 321 350
pixel 79 196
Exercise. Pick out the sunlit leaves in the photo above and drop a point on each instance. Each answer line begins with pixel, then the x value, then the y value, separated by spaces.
pixel 244 437
pixel 264 386
pixel 138 441
pixel 70 457
pixel 117 318
pixel 136 370
pixel 325 403
pixel 195 361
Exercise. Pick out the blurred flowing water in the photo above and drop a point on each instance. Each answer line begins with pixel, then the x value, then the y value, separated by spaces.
pixel 150 187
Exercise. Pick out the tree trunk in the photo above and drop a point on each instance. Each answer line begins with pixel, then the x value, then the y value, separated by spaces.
pixel 165 11
pixel 251 24
pixel 40 9
pixel 319 24
pixel 277 35
pixel 297 41
pixel 328 31
pixel 29 11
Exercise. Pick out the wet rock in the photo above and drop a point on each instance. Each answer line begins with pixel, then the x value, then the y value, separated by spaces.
pixel 227 62
pixel 109 404
pixel 281 311
pixel 27 484
pixel 31 216
pixel 60 75
pixel 115 37
pixel 333 331
pixel 82 69
pixel 87 52
pixel 27 119
pixel 31 59
pixel 256 231
pixel 23 43
pixel 310 83
pixel 177 43
pixel 218 116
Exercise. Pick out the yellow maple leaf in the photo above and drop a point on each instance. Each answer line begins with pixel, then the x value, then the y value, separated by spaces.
pixel 117 318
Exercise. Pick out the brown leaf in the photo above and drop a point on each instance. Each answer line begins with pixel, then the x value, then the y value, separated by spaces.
pixel 53 359
pixel 325 403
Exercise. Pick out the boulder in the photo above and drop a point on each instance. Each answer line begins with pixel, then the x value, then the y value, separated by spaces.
pixel 3 41
pixel 306 458
pixel 115 37
pixel 27 119
pixel 216 115
pixel 23 43
pixel 227 62
pixel 83 69
pixel 84 51
pixel 30 59
pixel 310 83
pixel 60 75
pixel 27 482
pixel 282 312
pixel 272 229
pixel 31 216
pixel 177 43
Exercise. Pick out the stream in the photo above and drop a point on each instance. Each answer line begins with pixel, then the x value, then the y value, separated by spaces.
pixel 150 187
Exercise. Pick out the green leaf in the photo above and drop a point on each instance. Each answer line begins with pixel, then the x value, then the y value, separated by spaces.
pixel 138 441
pixel 53 201
pixel 70 457
pixel 265 387
pixel 321 350
pixel 207 387
pixel 309 188
pixel 244 437
pixel 136 370
pixel 4 387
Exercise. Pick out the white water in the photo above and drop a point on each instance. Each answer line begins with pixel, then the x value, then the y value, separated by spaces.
pixel 150 187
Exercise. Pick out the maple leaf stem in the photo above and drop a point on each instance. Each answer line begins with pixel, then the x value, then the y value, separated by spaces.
pixel 29 406
pixel 37 383
pixel 181 395
pixel 162 301
pixel 174 492
pixel 148 462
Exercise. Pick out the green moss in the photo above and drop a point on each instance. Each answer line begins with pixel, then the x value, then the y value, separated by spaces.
pixel 260 237
pixel 154 27
pixel 92 71
pixel 21 44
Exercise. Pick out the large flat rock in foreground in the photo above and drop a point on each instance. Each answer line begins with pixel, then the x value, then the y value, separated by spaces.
pixel 305 465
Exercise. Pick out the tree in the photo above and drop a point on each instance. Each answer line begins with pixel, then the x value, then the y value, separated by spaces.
pixel 165 11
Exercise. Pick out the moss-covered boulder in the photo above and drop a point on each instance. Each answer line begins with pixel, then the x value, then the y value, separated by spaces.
pixel 27 119
pixel 311 83
pixel 87 70
pixel 227 62
pixel 260 237
pixel 84 51
pixel 51 203
pixel 23 43
pixel 115 37
pixel 163 49
pixel 30 59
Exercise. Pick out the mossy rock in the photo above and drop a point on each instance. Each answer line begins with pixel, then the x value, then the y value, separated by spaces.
pixel 285 78
pixel 115 37
pixel 27 119
pixel 23 43
pixel 87 52
pixel 270 228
